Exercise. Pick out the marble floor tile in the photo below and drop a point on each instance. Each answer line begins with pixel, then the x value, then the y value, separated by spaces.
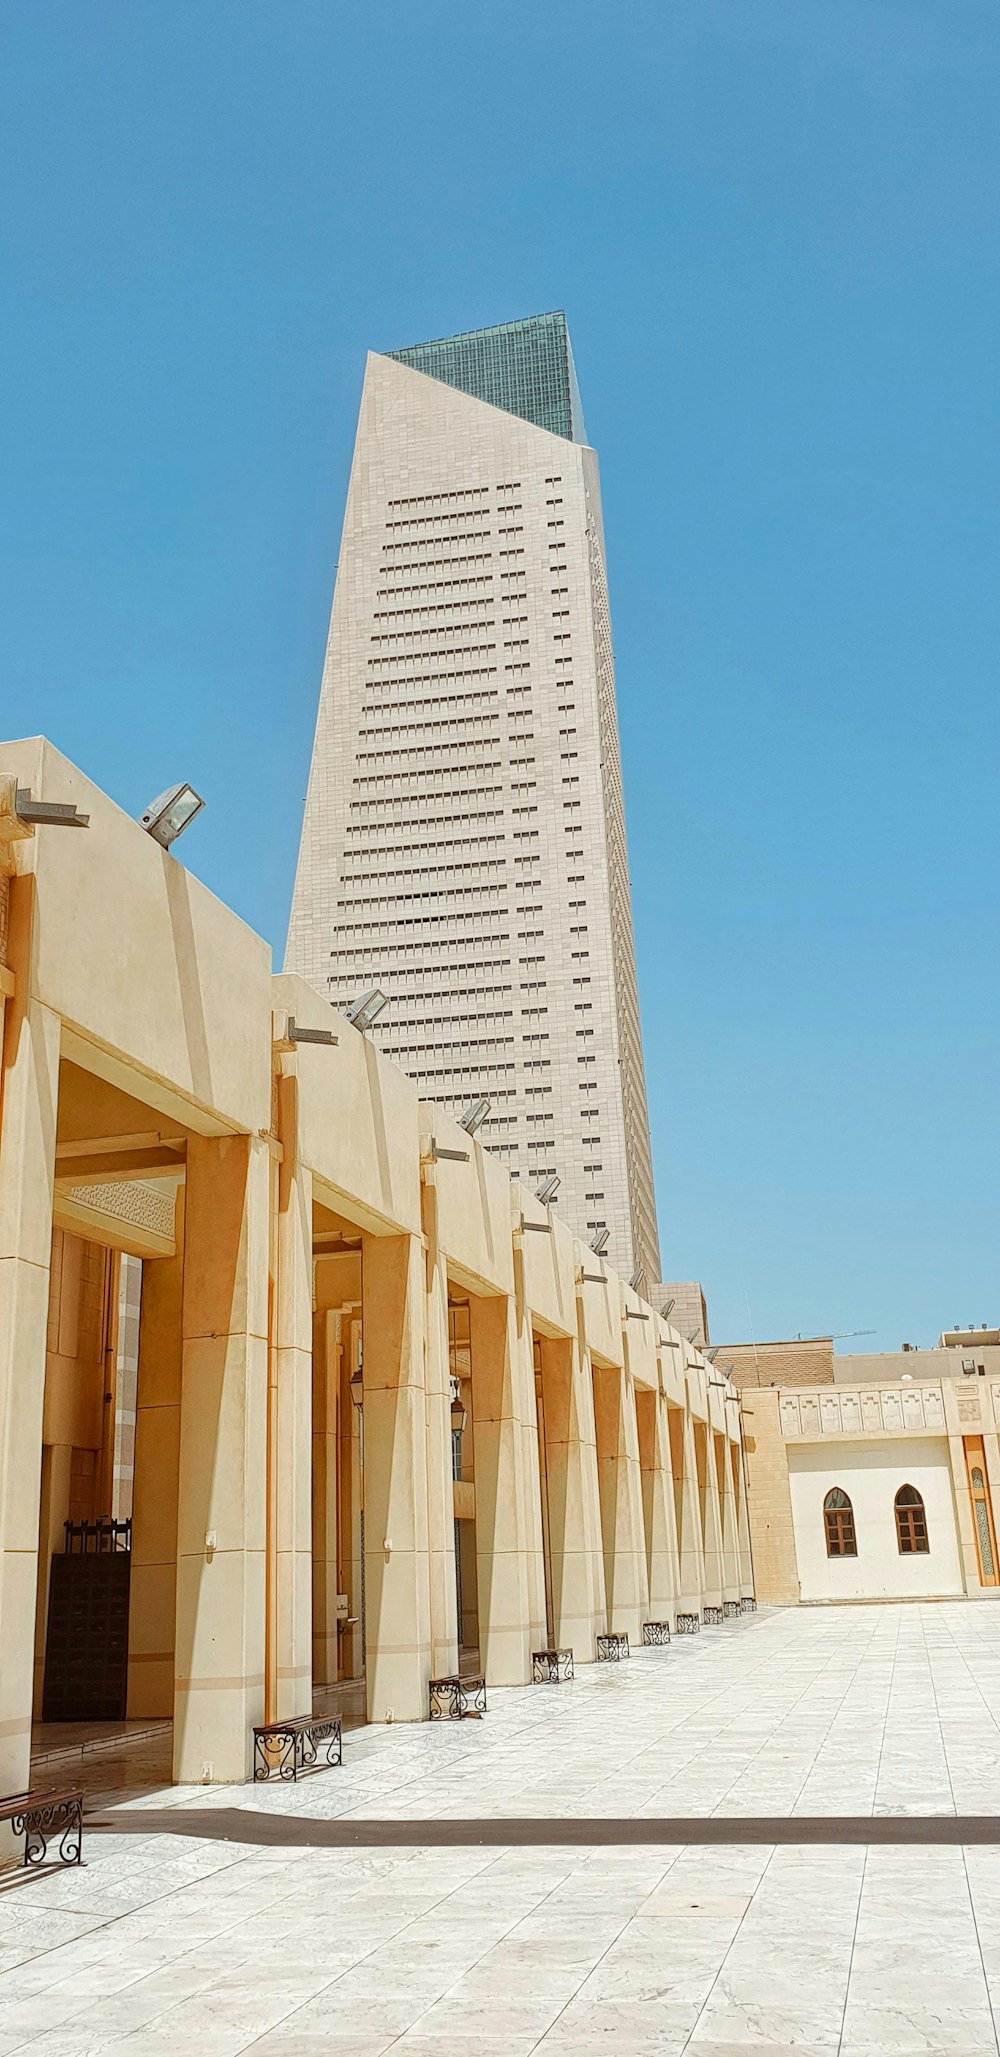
pixel 167 1943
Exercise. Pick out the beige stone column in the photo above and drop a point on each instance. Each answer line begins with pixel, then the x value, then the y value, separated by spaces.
pixel 731 1581
pixel 292 1457
pixel 153 1596
pixel 711 1520
pixel 54 1506
pixel 219 1691
pixel 60 1420
pixel 659 1513
pixel 510 1574
pixel 684 1465
pixel 30 1086
pixel 620 1485
pixel 351 1481
pixel 443 1594
pixel 325 1432
pixel 397 1601
pixel 747 1582
pixel 575 1549
pixel 768 1499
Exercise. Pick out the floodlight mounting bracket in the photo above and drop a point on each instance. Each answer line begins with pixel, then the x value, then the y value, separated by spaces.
pixel 48 813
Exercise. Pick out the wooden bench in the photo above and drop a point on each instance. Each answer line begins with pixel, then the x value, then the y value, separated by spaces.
pixel 713 1617
pixel 612 1648
pixel 688 1624
pixel 45 1812
pixel 549 1667
pixel 655 1633
pixel 460 1699
pixel 283 1749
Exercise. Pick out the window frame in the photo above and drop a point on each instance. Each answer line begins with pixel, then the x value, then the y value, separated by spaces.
pixel 912 1538
pixel 839 1530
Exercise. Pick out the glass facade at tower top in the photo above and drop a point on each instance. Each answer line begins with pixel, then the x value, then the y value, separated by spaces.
pixel 525 367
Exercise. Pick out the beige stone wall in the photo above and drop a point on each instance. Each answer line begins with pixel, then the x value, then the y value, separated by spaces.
pixel 769 1500
pixel 808 1361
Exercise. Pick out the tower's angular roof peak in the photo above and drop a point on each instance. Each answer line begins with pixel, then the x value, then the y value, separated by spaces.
pixel 524 367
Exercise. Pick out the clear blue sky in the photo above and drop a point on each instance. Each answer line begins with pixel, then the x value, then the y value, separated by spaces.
pixel 774 227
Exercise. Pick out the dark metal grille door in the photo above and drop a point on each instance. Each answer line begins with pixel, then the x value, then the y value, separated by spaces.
pixel 86 1648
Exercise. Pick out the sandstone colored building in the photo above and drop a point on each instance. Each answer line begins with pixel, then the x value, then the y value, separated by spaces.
pixel 389 1414
pixel 877 1490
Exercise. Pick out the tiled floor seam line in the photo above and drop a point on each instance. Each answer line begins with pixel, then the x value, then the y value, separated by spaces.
pixel 864 1868
pixel 850 1961
pixel 941 1737
pixel 729 1949
pixel 987 1982
pixel 885 1723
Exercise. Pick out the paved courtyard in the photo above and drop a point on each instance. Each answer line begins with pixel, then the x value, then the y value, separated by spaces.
pixel 257 1936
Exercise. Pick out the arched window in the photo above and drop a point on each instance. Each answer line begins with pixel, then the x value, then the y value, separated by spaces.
pixel 911 1522
pixel 838 1520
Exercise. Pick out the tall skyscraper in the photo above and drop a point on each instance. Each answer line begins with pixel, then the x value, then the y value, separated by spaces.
pixel 464 838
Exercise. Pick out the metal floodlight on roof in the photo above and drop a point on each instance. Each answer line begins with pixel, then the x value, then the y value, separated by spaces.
pixel 548 1188
pixel 669 1308
pixel 638 1278
pixel 599 1243
pixel 361 1013
pixel 58 814
pixel 474 1116
pixel 167 817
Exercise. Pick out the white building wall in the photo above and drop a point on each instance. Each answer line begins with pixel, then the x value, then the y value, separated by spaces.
pixel 463 845
pixel 871 1476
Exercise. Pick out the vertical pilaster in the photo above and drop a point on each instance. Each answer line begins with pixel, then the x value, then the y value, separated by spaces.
pixel 221 1523
pixel 619 1480
pixel 963 1514
pixel 397 1606
pixel 29 1091
pixel 660 1520
pixel 730 1531
pixel 293 1457
pixel 443 1589
pixel 351 1478
pixel 153 1596
pixel 325 1429
pixel 747 1587
pixel 575 1548
pixel 711 1523
pixel 61 1427
pixel 508 1514
pixel 684 1465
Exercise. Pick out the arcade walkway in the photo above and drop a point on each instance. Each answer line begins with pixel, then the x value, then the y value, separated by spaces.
pixel 279 1944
